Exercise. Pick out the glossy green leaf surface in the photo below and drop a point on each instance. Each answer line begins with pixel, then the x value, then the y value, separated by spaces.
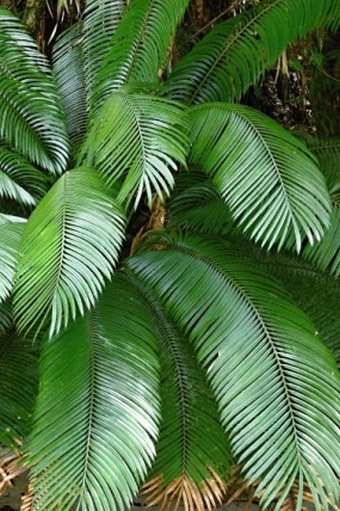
pixel 140 138
pixel 275 382
pixel 10 238
pixel 30 115
pixel 140 46
pixel 18 387
pixel 236 52
pixel 69 247
pixel 101 19
pixel 193 452
pixel 326 253
pixel 269 180
pixel 19 180
pixel 69 69
pixel 98 408
pixel 317 293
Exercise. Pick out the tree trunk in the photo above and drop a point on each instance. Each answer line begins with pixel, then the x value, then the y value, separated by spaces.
pixel 34 17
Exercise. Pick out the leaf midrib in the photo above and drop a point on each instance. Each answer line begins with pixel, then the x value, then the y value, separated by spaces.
pixel 93 336
pixel 227 47
pixel 161 324
pixel 192 252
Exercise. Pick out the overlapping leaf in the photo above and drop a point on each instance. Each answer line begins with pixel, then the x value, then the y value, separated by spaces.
pixel 197 205
pixel 68 64
pixel 5 219
pixel 191 466
pixel 326 254
pixel 317 293
pixel 235 53
pixel 6 317
pixel 98 408
pixel 18 388
pixel 269 180
pixel 70 245
pixel 101 19
pixel 140 138
pixel 10 237
pixel 30 115
pixel 140 45
pixel 274 380
pixel 19 180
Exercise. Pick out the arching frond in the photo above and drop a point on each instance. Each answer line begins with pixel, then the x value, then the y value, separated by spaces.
pixel 141 138
pixel 6 317
pixel 19 180
pixel 30 115
pixel 68 64
pixel 197 205
pixel 70 245
pixel 101 19
pixel 191 466
pixel 326 253
pixel 10 237
pixel 274 380
pixel 316 293
pixel 235 54
pixel 140 45
pixel 328 154
pixel 98 408
pixel 18 388
pixel 269 179
pixel 5 219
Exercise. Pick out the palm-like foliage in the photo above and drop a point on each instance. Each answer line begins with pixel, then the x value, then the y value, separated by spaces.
pixel 31 118
pixel 235 54
pixel 104 418
pixel 193 357
pixel 261 172
pixel 70 245
pixel 156 130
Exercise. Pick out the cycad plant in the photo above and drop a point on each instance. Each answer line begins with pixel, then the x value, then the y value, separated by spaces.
pixel 208 343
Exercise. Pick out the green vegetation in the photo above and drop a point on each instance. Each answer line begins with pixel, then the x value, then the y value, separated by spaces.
pixel 169 264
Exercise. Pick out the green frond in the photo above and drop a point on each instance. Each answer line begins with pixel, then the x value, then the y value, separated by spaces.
pixel 18 388
pixel 101 19
pixel 30 115
pixel 197 205
pixel 68 65
pixel 274 380
pixel 19 180
pixel 5 219
pixel 98 408
pixel 10 237
pixel 326 254
pixel 236 53
pixel 6 316
pixel 141 138
pixel 268 178
pixel 70 245
pixel 328 154
pixel 190 465
pixel 140 45
pixel 316 293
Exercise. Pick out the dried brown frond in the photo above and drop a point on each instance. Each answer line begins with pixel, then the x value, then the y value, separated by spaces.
pixel 27 501
pixel 185 492
pixel 239 489
pixel 10 468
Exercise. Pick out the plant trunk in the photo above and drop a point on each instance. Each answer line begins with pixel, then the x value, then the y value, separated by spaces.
pixel 34 18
